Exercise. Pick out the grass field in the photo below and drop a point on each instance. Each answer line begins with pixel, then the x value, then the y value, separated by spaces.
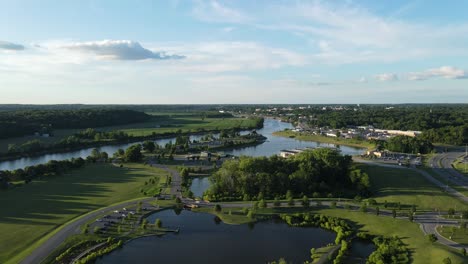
pixel 454 233
pixel 324 139
pixel 30 212
pixel 189 124
pixel 409 187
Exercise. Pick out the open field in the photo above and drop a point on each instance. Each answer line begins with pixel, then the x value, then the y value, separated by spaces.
pixel 324 139
pixel 31 211
pixel 190 124
pixel 409 187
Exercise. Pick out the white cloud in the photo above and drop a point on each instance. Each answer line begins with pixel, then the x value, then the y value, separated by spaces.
pixel 447 72
pixel 362 80
pixel 10 46
pixel 119 50
pixel 214 11
pixel 385 77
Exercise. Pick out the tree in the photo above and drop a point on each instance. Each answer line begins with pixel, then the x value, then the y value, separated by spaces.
pixel 410 217
pixel 377 210
pixel 451 212
pixel 305 201
pixel 217 208
pixel 463 251
pixel 149 146
pixel 144 223
pixel 95 153
pixel 276 202
pixel 133 153
pixel 394 214
pixel 465 214
pixel 447 260
pixel 262 204
pixel 85 229
pixel 432 238
pixel 333 204
pixel 158 223
pixel 290 201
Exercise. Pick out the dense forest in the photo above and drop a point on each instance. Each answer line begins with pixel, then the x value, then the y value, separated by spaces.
pixel 316 173
pixel 27 122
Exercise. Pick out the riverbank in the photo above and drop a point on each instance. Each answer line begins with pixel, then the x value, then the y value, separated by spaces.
pixel 132 139
pixel 324 139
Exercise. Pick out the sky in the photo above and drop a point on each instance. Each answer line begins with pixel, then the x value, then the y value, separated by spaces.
pixel 233 51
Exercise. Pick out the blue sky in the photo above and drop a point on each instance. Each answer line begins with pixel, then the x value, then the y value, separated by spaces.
pixel 164 52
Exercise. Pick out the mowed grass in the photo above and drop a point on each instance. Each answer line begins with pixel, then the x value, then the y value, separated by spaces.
pixel 422 251
pixel 456 234
pixel 191 124
pixel 33 210
pixel 409 187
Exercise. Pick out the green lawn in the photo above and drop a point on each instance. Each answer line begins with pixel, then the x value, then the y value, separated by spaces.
pixel 422 251
pixel 31 211
pixel 456 234
pixel 324 139
pixel 189 124
pixel 409 187
pixel 460 166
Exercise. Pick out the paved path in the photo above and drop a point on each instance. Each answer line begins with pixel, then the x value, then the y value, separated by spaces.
pixel 41 252
pixel 176 179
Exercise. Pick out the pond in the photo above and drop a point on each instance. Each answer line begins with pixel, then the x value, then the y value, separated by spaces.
pixel 360 250
pixel 273 145
pixel 203 240
pixel 199 185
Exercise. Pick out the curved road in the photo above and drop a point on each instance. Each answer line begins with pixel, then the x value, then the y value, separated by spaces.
pixel 41 252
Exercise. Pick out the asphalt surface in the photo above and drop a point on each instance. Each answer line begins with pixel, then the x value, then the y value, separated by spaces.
pixel 442 165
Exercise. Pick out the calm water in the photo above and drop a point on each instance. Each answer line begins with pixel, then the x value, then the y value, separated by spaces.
pixel 272 146
pixel 199 185
pixel 202 240
pixel 360 250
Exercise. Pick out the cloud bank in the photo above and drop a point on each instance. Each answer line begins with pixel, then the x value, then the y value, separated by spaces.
pixel 447 72
pixel 10 46
pixel 120 50
pixel 385 77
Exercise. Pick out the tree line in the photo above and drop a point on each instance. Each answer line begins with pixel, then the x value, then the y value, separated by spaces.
pixel 407 144
pixel 315 173
pixel 27 122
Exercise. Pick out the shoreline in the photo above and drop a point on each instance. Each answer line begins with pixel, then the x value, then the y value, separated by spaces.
pixel 322 139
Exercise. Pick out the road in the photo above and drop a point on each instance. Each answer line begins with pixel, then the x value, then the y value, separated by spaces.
pixel 41 252
pixel 176 179
pixel 442 165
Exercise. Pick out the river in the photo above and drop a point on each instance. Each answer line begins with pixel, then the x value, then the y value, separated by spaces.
pixel 273 145
pixel 204 240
